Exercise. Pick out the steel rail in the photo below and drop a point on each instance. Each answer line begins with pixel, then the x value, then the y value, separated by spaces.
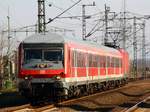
pixel 131 109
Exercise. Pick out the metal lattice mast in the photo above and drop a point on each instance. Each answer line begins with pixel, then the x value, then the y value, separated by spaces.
pixel 9 45
pixel 124 25
pixel 84 17
pixel 134 48
pixel 106 24
pixel 83 22
pixel 41 16
pixel 143 52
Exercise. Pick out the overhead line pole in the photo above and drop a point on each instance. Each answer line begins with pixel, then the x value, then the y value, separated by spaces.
pixel 41 16
pixel 124 26
pixel 106 24
pixel 143 52
pixel 8 50
pixel 134 48
pixel 84 17
pixel 83 23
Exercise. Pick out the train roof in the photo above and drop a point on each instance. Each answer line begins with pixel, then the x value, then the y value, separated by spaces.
pixel 46 38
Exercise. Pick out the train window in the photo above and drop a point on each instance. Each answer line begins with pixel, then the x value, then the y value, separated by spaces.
pixel 83 60
pixel 93 60
pixel 96 60
pixel 33 54
pixel 102 61
pixel 90 60
pixel 117 62
pixel 104 58
pixel 80 59
pixel 72 57
pixel 53 55
pixel 108 61
pixel 112 62
pixel 121 62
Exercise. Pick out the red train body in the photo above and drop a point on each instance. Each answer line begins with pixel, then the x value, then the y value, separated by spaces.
pixel 52 65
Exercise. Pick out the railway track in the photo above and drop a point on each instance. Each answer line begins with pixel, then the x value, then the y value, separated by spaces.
pixel 10 109
pixel 30 108
pixel 55 106
pixel 142 106
pixel 68 102
pixel 138 107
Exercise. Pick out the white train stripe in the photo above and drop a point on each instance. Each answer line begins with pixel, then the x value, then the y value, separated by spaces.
pixel 91 78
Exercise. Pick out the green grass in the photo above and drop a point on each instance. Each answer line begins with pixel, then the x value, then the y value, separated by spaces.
pixel 14 89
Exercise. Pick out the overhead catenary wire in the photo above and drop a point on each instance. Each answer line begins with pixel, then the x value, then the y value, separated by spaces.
pixel 50 20
pixel 57 7
pixel 92 30
pixel 89 16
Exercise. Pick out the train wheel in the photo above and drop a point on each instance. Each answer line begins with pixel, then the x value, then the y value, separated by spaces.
pixel 112 84
pixel 118 84
pixel 71 92
pixel 91 89
pixel 100 87
pixel 76 91
pixel 105 87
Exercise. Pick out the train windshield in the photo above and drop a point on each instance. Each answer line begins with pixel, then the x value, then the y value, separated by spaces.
pixel 44 55
pixel 51 57
pixel 33 54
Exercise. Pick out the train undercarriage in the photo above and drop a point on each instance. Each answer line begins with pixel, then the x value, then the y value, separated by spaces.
pixel 57 90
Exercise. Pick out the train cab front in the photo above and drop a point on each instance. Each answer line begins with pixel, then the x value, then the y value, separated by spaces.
pixel 41 70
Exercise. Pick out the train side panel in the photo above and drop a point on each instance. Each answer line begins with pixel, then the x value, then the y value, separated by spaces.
pixel 125 62
pixel 77 61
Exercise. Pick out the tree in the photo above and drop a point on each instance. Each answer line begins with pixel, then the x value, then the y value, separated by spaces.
pixel 5 56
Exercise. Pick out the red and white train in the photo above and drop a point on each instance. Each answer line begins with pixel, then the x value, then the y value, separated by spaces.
pixel 54 65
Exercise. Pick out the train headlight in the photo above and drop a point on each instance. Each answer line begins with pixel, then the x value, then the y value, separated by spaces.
pixel 58 77
pixel 26 78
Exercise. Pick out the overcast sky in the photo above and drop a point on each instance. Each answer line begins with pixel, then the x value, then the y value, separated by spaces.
pixel 24 12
